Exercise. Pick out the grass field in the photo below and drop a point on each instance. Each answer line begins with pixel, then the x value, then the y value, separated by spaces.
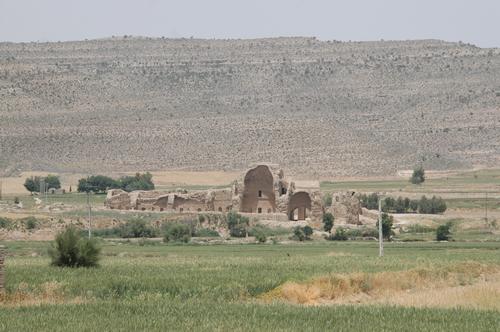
pixel 217 287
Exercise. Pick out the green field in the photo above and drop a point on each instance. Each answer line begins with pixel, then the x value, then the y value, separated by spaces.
pixel 190 287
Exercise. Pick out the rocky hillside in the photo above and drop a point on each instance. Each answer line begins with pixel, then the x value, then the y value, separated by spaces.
pixel 315 107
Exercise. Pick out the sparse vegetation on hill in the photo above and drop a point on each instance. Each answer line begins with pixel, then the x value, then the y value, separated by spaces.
pixel 167 103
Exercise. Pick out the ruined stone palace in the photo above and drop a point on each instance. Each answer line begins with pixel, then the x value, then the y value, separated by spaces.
pixel 263 189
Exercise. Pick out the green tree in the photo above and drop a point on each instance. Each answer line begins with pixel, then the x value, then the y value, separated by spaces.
pixel 387 222
pixel 443 232
pixel 52 181
pixel 424 205
pixel 137 182
pixel 70 249
pixel 32 184
pixel 328 221
pixel 97 183
pixel 327 200
pixel 369 201
pixel 414 205
pixel 418 176
pixel 400 206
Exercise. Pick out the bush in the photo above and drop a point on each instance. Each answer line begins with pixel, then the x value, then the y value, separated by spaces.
pixel 298 234
pixel 206 232
pixel 308 231
pixel 327 200
pixel 237 224
pixel 328 221
pixel 418 176
pixel 302 233
pixel 71 250
pixel 340 235
pixel 30 223
pixel 137 228
pixel 238 230
pixel 443 232
pixel 387 221
pixel 260 237
pixel 175 232
pixel 4 222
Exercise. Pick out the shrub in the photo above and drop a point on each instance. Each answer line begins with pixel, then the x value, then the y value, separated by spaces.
pixel 238 230
pixel 176 232
pixel 261 237
pixel 30 223
pixel 340 235
pixel 206 232
pixel 298 234
pixel 416 228
pixel 328 221
pixel 137 228
pixel 327 200
pixel 4 222
pixel 387 221
pixel 308 231
pixel 237 224
pixel 71 250
pixel 418 176
pixel 443 232
pixel 302 233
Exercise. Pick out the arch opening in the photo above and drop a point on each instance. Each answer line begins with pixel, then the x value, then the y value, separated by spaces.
pixel 299 207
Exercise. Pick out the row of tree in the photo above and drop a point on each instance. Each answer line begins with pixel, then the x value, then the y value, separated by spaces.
pixel 102 183
pixel 434 205
pixel 32 184
pixel 95 183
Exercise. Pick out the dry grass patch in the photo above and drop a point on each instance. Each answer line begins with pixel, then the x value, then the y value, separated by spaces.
pixel 456 285
pixel 48 293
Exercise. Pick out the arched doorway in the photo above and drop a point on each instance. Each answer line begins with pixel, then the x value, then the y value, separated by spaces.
pixel 258 191
pixel 299 206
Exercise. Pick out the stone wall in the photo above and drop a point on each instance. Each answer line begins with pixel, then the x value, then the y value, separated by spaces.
pixel 346 208
pixel 263 189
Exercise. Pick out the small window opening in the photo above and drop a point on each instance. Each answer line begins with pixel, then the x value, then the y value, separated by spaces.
pixel 260 193
pixel 259 210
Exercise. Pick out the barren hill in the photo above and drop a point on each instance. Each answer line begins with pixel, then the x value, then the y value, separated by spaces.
pixel 315 107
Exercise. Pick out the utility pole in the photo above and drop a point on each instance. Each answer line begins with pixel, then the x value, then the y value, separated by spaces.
pixel 486 207
pixel 380 235
pixel 90 214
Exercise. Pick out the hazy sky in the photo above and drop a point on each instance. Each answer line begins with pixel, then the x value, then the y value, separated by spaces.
pixel 472 21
